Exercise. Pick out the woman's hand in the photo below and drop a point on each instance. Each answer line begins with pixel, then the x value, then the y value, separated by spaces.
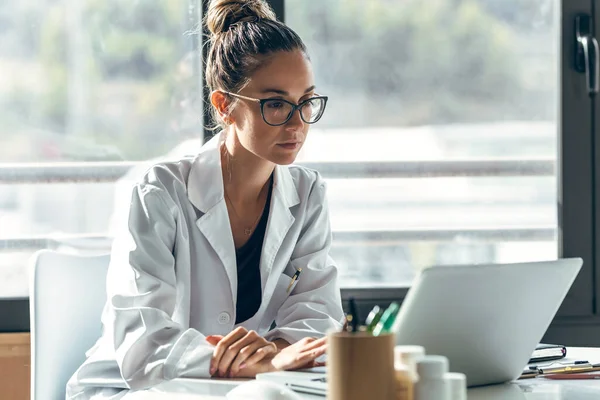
pixel 238 350
pixel 302 354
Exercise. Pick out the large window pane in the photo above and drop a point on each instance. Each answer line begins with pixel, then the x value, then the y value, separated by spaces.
pixel 80 81
pixel 441 80
pixel 96 80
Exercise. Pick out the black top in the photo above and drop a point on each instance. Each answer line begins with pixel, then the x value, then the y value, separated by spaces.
pixel 249 290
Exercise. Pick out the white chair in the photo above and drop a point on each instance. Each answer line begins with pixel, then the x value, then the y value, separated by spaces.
pixel 67 295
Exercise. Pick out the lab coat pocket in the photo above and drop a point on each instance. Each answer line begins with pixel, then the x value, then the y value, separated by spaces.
pixel 282 290
pixel 280 295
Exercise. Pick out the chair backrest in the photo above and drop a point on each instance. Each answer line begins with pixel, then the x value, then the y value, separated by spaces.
pixel 67 295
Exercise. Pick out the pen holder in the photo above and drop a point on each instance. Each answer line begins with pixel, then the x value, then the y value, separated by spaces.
pixel 360 366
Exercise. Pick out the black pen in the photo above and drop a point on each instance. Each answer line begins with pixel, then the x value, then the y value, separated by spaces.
pixel 354 314
pixel 529 373
pixel 294 279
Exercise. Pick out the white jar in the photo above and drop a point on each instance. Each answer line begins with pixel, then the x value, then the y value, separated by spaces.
pixel 408 355
pixel 458 385
pixel 432 384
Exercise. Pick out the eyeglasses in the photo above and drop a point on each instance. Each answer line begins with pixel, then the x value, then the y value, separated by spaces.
pixel 276 112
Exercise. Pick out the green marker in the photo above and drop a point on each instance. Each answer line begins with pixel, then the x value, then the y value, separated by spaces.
pixel 387 319
pixel 373 318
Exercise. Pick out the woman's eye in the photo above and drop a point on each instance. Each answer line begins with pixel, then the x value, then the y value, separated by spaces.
pixel 275 104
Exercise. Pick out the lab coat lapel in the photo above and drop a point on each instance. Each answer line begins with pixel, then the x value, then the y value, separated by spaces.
pixel 217 230
pixel 205 191
pixel 284 197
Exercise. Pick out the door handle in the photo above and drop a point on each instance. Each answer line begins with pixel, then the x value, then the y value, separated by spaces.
pixel 587 53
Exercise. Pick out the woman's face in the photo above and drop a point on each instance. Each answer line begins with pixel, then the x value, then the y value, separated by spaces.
pixel 285 75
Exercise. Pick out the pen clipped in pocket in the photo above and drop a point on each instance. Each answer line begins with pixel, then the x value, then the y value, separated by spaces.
pixel 294 280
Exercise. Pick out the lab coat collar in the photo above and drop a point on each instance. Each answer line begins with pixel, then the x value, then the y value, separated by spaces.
pixel 205 182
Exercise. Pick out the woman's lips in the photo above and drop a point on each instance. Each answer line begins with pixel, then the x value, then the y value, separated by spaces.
pixel 289 146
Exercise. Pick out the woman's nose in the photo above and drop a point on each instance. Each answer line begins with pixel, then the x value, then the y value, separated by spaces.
pixel 295 121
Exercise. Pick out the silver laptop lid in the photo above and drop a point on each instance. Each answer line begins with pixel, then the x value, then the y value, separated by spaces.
pixel 487 319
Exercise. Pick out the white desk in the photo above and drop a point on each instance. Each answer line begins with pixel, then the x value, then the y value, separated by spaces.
pixel 529 389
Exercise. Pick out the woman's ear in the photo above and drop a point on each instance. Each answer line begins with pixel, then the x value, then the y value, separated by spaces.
pixel 221 102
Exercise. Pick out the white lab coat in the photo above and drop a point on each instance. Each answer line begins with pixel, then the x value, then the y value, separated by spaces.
pixel 172 278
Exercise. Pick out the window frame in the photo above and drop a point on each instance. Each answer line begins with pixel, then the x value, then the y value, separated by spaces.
pixel 596 167
pixel 575 173
pixel 577 323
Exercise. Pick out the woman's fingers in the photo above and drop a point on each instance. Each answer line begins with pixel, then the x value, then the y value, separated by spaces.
pixel 313 353
pixel 214 339
pixel 307 358
pixel 234 349
pixel 241 357
pixel 230 355
pixel 303 361
pixel 251 355
pixel 300 355
pixel 223 346
pixel 314 343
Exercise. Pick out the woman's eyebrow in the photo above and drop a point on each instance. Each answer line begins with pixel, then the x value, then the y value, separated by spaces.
pixel 283 92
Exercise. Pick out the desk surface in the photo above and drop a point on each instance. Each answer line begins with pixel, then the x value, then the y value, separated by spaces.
pixel 529 389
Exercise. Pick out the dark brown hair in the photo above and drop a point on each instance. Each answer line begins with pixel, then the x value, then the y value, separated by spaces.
pixel 243 34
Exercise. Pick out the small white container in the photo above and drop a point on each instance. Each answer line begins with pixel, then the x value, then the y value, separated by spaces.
pixel 432 384
pixel 408 355
pixel 458 385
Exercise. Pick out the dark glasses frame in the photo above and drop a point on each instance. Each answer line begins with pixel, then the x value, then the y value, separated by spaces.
pixel 295 107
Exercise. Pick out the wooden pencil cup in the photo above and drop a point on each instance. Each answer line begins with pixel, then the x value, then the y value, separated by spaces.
pixel 360 366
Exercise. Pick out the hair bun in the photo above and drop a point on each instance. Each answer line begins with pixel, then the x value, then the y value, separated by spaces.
pixel 224 13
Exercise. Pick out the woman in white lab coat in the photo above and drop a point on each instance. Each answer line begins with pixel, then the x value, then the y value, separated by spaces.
pixel 222 265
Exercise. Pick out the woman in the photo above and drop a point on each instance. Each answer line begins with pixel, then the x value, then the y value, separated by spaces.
pixel 218 249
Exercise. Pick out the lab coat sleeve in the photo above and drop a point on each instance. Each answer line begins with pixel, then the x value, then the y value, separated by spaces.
pixel 314 306
pixel 142 297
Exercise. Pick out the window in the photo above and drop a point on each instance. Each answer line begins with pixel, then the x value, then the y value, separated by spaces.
pixel 451 109
pixel 449 124
pixel 83 82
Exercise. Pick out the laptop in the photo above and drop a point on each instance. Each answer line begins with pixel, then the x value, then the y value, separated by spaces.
pixel 487 319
